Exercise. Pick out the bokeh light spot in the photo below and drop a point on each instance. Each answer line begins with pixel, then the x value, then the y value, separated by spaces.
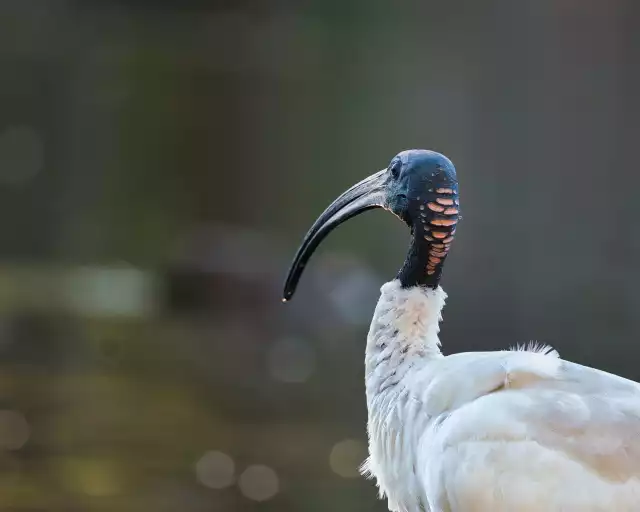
pixel 215 470
pixel 346 457
pixel 291 360
pixel 259 483
pixel 14 430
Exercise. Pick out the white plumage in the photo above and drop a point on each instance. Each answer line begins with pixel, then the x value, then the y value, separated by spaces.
pixel 509 431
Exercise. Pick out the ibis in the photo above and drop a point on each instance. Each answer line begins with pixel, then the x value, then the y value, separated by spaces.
pixel 517 430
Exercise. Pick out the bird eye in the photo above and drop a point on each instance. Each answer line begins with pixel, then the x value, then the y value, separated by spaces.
pixel 394 168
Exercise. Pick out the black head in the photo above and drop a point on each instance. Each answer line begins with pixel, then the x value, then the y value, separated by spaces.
pixel 413 179
pixel 421 188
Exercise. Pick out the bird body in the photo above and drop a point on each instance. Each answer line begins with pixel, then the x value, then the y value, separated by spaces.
pixel 500 431
pixel 507 431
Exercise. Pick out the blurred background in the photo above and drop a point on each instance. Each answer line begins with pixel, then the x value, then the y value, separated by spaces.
pixel 160 162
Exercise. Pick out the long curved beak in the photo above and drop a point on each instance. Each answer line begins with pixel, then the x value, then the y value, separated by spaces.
pixel 363 196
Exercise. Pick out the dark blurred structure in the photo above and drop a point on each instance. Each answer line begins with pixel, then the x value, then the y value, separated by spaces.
pixel 159 162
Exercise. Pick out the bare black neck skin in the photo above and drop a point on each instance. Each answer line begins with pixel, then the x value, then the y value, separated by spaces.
pixel 433 227
pixel 414 270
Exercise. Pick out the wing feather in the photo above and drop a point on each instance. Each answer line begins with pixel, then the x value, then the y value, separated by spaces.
pixel 527 427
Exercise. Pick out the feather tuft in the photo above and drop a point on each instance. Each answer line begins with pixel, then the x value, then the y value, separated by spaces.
pixel 537 348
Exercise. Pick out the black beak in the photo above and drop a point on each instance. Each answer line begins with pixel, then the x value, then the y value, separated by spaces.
pixel 363 196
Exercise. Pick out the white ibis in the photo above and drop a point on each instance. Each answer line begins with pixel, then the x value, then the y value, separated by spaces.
pixel 506 431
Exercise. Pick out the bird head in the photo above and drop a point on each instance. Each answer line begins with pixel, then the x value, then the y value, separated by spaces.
pixel 419 187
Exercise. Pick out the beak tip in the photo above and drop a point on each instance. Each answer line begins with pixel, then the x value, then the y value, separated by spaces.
pixel 286 295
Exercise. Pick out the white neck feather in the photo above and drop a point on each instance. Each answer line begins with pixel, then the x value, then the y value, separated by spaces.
pixel 403 337
pixel 404 329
